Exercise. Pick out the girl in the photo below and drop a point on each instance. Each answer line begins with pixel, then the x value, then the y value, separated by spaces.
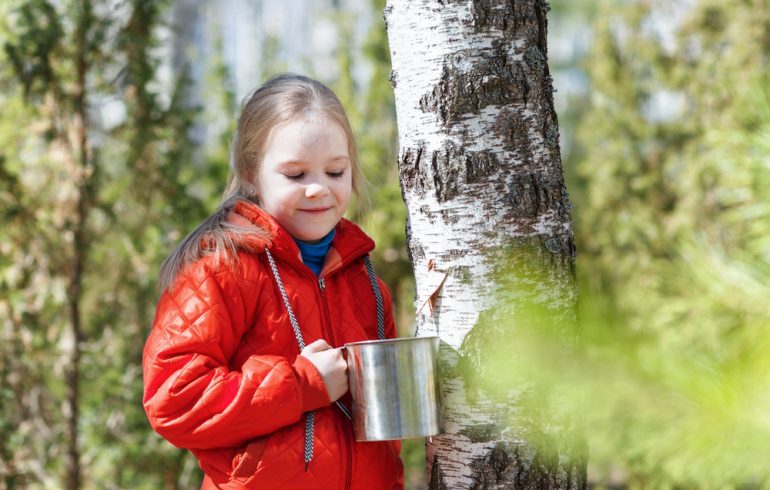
pixel 242 366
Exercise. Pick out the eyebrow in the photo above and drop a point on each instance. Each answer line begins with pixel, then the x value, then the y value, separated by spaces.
pixel 286 163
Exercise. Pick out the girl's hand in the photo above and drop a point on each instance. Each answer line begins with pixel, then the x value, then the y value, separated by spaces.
pixel 331 365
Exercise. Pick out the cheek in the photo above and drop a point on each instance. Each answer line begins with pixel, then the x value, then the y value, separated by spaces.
pixel 278 200
pixel 276 192
pixel 349 185
pixel 270 203
pixel 344 192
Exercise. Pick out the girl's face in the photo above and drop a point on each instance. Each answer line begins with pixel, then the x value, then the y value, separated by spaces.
pixel 305 178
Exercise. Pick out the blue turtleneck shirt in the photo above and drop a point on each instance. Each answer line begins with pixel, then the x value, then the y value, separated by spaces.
pixel 314 254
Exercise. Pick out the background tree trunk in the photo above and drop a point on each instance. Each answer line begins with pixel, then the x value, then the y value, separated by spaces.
pixel 82 172
pixel 482 180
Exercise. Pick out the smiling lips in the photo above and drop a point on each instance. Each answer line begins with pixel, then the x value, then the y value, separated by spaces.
pixel 315 210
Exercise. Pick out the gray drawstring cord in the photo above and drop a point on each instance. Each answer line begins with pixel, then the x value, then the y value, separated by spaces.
pixel 310 416
pixel 378 295
pixel 292 318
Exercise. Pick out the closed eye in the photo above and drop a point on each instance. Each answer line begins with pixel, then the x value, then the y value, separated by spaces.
pixel 336 175
pixel 296 176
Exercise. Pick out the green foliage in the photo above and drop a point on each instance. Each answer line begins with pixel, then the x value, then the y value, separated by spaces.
pixel 664 413
pixel 145 186
pixel 673 237
pixel 136 205
pixel 32 51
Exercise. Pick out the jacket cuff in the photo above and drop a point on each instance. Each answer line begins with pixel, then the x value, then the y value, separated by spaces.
pixel 311 385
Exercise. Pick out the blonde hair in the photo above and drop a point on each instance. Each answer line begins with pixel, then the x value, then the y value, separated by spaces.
pixel 282 99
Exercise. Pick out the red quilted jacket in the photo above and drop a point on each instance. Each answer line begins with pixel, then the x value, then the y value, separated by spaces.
pixel 222 371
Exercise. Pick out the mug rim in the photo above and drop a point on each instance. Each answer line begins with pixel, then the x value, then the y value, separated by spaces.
pixel 390 341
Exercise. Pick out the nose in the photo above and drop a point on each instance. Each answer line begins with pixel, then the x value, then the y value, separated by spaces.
pixel 315 190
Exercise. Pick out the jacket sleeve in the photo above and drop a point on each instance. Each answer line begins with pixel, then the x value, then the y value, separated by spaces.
pixel 191 396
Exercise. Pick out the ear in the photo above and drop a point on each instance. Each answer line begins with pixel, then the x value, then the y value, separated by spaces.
pixel 251 187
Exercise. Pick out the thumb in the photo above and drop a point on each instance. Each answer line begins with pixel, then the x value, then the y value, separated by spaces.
pixel 319 345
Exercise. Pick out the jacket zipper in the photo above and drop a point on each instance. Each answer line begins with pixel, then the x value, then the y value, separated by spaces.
pixel 327 321
pixel 345 429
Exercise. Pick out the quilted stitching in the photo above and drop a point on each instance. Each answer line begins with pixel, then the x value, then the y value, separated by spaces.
pixel 222 341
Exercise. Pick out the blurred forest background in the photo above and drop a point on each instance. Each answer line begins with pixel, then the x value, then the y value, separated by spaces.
pixel 115 118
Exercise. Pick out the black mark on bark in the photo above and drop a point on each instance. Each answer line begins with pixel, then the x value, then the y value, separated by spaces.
pixel 510 465
pixel 411 173
pixel 436 477
pixel 445 171
pixel 514 131
pixel 493 468
pixel 492 80
pixel 479 165
pixel 535 59
pixel 416 252
pixel 386 14
pixel 551 132
pixel 482 433
pixel 541 11
pixel 528 196
pixel 502 15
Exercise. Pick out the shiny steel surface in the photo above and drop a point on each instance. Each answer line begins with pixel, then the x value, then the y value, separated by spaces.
pixel 394 384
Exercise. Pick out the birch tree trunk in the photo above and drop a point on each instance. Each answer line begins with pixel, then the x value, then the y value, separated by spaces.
pixel 482 180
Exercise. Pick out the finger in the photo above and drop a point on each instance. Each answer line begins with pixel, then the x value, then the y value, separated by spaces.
pixel 340 365
pixel 342 360
pixel 319 345
pixel 343 352
pixel 334 355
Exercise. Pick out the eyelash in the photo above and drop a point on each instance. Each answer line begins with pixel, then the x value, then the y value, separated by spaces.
pixel 334 175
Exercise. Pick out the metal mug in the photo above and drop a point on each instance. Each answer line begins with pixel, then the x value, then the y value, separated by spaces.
pixel 395 388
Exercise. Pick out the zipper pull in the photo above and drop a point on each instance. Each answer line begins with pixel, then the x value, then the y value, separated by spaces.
pixel 322 284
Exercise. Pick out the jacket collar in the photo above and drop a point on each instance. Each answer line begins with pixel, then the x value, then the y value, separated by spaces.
pixel 350 242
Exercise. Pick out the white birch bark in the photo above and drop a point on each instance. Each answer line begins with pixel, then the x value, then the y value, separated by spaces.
pixel 480 173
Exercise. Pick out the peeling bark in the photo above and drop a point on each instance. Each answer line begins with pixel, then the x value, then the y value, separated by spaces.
pixel 481 176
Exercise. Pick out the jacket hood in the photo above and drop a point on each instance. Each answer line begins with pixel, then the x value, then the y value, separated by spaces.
pixel 349 243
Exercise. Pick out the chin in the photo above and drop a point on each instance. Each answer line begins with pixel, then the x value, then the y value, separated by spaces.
pixel 312 237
